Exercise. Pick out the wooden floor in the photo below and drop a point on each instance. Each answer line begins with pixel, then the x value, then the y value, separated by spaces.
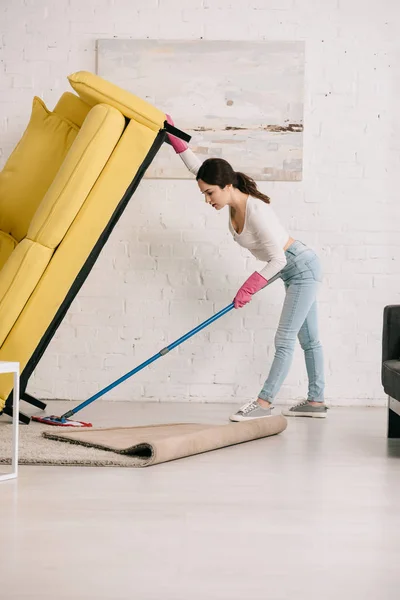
pixel 311 514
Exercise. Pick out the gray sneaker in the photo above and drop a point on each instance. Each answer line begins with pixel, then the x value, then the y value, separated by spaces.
pixel 305 409
pixel 251 410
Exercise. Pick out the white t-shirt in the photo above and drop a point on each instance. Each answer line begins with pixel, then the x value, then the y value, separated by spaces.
pixel 262 234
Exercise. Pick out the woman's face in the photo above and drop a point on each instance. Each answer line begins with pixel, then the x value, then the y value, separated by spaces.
pixel 214 195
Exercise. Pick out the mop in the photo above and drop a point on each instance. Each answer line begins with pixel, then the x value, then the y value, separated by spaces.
pixel 66 421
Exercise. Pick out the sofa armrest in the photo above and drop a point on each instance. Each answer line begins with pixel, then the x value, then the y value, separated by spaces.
pixel 391 333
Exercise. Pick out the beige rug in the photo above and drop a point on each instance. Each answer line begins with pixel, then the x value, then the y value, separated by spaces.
pixel 129 446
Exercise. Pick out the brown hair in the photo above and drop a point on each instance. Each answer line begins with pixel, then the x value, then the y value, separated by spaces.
pixel 217 171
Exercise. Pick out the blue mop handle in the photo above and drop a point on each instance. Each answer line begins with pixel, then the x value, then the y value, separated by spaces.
pixel 162 352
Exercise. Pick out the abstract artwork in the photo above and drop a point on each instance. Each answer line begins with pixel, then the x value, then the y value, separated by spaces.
pixel 242 101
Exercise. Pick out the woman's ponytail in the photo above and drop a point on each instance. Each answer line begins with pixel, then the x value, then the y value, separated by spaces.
pixel 247 185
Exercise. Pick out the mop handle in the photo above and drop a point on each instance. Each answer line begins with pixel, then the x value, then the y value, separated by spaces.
pixel 162 352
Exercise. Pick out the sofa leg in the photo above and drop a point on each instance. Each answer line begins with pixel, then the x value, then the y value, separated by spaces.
pixel 394 418
pixel 23 418
pixel 34 401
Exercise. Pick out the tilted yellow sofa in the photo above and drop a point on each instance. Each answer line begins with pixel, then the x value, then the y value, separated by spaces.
pixel 62 191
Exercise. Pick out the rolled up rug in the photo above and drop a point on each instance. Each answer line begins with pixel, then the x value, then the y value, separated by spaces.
pixel 153 444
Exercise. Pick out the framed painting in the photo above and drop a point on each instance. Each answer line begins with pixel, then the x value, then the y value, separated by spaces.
pixel 242 101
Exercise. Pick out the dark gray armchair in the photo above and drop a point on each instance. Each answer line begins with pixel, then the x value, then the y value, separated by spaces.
pixel 391 366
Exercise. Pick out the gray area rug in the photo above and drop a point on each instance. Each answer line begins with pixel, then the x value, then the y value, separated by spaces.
pixel 34 449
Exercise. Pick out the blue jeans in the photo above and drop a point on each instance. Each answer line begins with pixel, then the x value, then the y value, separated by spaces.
pixel 301 276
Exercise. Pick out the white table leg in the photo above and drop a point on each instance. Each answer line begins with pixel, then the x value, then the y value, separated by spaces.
pixel 15 424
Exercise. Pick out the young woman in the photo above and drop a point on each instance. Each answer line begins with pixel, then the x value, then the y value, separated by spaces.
pixel 255 226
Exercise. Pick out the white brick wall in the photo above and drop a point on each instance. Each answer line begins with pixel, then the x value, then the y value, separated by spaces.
pixel 170 263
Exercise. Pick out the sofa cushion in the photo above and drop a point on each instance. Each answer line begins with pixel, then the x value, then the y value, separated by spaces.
pixel 78 174
pixel 94 90
pixel 71 107
pixel 19 278
pixel 391 378
pixel 7 245
pixel 32 167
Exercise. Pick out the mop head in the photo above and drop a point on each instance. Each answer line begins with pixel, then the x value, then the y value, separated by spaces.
pixel 61 421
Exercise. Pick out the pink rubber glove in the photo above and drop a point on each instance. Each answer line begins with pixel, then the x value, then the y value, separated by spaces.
pixel 252 285
pixel 178 145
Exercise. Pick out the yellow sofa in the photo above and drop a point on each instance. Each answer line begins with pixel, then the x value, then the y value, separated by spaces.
pixel 62 191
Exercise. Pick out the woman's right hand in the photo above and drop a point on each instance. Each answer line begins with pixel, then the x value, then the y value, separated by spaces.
pixel 178 145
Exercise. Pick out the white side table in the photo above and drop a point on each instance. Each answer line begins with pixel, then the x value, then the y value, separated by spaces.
pixel 13 367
